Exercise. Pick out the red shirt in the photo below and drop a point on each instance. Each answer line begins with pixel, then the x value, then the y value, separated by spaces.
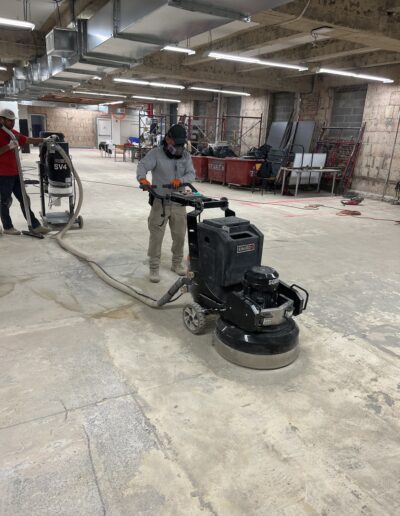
pixel 8 162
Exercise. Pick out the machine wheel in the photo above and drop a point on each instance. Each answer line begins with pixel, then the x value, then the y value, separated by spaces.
pixel 194 318
pixel 79 221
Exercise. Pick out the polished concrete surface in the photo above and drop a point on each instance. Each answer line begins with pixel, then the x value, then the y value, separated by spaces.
pixel 110 407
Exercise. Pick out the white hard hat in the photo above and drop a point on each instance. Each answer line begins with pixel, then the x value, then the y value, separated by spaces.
pixel 7 113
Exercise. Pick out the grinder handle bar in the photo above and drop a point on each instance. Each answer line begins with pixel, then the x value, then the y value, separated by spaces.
pixel 195 199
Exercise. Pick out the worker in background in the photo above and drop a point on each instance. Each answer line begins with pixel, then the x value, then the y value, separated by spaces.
pixel 172 165
pixel 9 177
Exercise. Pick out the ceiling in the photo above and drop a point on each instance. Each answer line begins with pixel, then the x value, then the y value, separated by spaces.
pixel 361 36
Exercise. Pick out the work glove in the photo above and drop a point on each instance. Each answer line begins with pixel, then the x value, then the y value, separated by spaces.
pixel 13 145
pixel 144 182
pixel 176 183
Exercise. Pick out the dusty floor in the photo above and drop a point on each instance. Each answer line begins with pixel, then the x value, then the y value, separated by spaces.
pixel 110 407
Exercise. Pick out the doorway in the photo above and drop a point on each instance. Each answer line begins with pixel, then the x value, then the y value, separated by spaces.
pixel 38 124
pixel 104 130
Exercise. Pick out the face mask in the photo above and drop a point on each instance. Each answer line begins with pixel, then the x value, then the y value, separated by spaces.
pixel 175 151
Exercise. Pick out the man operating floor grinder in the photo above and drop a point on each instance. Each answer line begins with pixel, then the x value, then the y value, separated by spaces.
pixel 255 327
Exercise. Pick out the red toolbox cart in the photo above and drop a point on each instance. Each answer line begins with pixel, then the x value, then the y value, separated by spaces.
pixel 200 164
pixel 216 170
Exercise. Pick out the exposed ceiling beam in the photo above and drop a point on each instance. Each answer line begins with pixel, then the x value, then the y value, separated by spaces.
pixel 365 22
pixel 18 45
pixel 241 42
pixel 364 61
pixel 226 75
pixel 322 51
pixel 370 15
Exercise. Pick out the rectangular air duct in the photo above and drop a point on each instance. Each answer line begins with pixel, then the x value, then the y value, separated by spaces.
pixel 62 42
pixel 134 29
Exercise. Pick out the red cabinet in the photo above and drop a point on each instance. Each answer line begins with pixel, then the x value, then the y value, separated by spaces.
pixel 240 171
pixel 216 170
pixel 200 164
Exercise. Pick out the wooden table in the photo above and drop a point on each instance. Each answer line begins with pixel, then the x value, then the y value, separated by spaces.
pixel 124 149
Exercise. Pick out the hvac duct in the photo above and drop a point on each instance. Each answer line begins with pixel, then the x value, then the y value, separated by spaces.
pixel 121 27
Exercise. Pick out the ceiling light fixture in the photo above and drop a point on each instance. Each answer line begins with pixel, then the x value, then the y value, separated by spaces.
pixel 3 68
pixel 98 94
pixel 7 22
pixel 112 103
pixel 254 60
pixel 356 75
pixel 182 50
pixel 226 92
pixel 96 78
pixel 148 83
pixel 142 97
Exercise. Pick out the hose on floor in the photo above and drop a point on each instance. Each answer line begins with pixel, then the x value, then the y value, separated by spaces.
pixel 101 273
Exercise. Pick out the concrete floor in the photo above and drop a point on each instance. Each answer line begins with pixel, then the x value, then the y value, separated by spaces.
pixel 110 407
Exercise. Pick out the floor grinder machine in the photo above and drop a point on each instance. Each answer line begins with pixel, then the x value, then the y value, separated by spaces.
pixel 255 308
pixel 56 181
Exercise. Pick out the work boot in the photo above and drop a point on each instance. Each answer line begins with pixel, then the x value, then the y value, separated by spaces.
pixel 179 269
pixel 11 231
pixel 41 230
pixel 154 275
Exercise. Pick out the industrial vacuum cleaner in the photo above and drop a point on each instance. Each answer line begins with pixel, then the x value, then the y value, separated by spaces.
pixel 56 181
pixel 255 308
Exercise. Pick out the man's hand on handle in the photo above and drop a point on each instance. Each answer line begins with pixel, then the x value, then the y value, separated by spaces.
pixel 176 183
pixel 144 182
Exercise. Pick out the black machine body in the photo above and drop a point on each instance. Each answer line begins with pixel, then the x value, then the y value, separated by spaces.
pixel 255 327
pixel 56 180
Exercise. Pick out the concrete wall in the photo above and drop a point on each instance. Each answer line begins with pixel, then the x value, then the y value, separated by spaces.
pixel 254 107
pixel 316 106
pixel 78 125
pixel 348 108
pixel 380 153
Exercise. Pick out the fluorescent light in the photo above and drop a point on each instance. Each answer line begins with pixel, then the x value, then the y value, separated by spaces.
pixel 144 98
pixel 99 94
pixel 356 75
pixel 112 103
pixel 227 92
pixel 154 98
pixel 183 50
pixel 3 68
pixel 132 81
pixel 7 22
pixel 169 100
pixel 254 60
pixel 96 78
pixel 162 85
pixel 148 83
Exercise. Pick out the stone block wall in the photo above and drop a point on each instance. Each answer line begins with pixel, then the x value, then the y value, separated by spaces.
pixel 254 107
pixel 348 108
pixel 378 166
pixel 78 125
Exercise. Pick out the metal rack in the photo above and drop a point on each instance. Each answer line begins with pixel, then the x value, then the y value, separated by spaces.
pixel 203 130
pixel 342 145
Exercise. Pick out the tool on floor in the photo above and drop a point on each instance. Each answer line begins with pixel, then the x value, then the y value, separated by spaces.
pixel 255 327
pixel 25 197
pixel 56 181
pixel 352 201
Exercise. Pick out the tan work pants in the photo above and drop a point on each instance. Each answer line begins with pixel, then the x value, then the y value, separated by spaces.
pixel 175 216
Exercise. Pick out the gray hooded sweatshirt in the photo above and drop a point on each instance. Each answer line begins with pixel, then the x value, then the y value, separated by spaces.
pixel 163 169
